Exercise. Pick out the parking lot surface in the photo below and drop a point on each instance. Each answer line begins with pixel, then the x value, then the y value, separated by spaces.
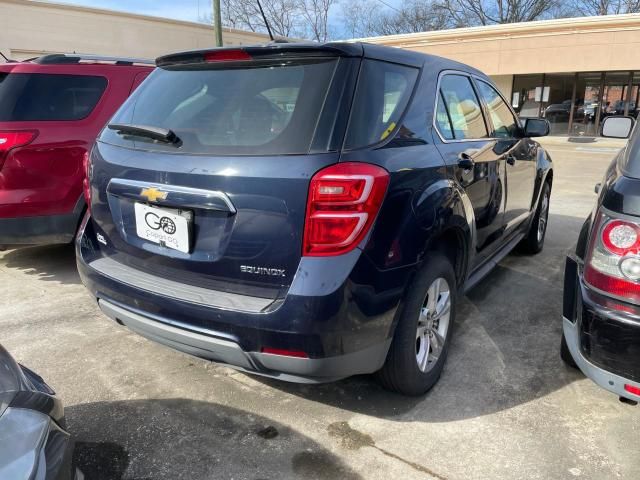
pixel 506 406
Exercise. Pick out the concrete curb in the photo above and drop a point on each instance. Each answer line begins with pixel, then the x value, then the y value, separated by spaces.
pixel 583 141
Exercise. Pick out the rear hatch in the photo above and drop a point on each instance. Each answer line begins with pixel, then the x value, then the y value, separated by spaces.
pixel 220 146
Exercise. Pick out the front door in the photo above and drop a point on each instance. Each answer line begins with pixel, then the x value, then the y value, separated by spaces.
pixel 517 152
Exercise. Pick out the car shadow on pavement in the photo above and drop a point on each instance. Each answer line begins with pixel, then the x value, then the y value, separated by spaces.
pixel 505 349
pixel 179 438
pixel 52 263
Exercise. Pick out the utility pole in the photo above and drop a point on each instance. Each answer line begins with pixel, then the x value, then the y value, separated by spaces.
pixel 217 22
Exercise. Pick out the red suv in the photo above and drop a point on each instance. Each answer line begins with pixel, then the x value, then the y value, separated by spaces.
pixel 51 110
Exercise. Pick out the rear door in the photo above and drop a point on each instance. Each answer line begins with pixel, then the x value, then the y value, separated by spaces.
pixel 517 152
pixel 251 135
pixel 473 156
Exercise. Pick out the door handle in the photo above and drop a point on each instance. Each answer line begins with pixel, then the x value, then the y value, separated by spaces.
pixel 465 161
pixel 511 160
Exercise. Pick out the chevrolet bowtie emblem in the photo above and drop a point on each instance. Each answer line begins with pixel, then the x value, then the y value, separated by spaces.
pixel 153 194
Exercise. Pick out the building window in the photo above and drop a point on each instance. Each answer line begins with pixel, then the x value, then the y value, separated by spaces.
pixel 587 104
pixel 557 99
pixel 523 98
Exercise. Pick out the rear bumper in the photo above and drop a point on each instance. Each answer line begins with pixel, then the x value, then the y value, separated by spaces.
pixel 38 230
pixel 208 346
pixel 344 332
pixel 41 230
pixel 604 341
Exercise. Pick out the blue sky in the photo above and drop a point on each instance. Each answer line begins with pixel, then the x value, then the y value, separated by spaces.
pixel 190 10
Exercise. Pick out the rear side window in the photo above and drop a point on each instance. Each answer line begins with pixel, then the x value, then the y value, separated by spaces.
pixel 264 109
pixel 382 95
pixel 28 97
pixel 464 119
pixel 504 123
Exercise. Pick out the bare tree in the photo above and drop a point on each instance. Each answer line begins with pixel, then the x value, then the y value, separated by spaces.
pixel 359 18
pixel 284 16
pixel 606 7
pixel 486 12
pixel 414 16
pixel 316 15
pixel 363 18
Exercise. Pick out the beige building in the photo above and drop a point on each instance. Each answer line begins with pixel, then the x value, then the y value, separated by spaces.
pixel 572 71
pixel 31 28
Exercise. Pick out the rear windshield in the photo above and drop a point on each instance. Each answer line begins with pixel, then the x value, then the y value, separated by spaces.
pixel 384 90
pixel 28 97
pixel 262 109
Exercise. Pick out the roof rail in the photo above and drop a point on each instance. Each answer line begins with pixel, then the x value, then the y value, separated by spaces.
pixel 76 58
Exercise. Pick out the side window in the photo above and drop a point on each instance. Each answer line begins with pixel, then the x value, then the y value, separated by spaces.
pixel 382 96
pixel 463 107
pixel 443 120
pixel 26 97
pixel 504 123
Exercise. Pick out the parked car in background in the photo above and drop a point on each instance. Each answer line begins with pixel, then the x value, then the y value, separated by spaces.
pixel 33 440
pixel 51 109
pixel 601 309
pixel 309 211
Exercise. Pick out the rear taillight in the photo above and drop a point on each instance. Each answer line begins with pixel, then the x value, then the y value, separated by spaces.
pixel 613 260
pixel 342 204
pixel 86 180
pixel 632 389
pixel 10 140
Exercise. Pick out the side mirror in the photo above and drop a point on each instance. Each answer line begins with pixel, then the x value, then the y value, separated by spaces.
pixel 536 127
pixel 617 126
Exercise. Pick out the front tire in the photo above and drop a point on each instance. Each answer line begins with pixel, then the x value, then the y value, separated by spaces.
pixel 534 241
pixel 421 341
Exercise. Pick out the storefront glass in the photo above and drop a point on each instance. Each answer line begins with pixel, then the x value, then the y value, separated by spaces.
pixel 523 98
pixel 575 104
pixel 587 105
pixel 557 95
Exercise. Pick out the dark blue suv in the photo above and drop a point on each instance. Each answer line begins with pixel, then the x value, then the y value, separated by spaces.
pixel 309 212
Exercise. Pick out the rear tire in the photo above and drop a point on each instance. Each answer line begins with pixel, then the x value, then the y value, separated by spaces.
pixel 421 340
pixel 565 354
pixel 534 241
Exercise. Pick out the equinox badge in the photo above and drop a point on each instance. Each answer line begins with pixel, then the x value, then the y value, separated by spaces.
pixel 274 272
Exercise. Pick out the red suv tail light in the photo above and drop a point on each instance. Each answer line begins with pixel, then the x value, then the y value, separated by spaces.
pixel 613 260
pixel 343 202
pixel 14 139
pixel 86 186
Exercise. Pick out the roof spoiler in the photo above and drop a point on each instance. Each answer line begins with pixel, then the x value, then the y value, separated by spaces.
pixel 271 51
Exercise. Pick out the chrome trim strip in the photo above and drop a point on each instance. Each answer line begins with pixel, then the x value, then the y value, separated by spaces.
pixel 177 196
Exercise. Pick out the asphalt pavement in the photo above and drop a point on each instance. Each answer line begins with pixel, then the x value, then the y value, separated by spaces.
pixel 505 408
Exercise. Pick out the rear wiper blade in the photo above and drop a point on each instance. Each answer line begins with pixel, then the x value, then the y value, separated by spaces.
pixel 159 134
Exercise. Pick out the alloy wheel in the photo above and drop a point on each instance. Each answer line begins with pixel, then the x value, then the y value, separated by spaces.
pixel 433 324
